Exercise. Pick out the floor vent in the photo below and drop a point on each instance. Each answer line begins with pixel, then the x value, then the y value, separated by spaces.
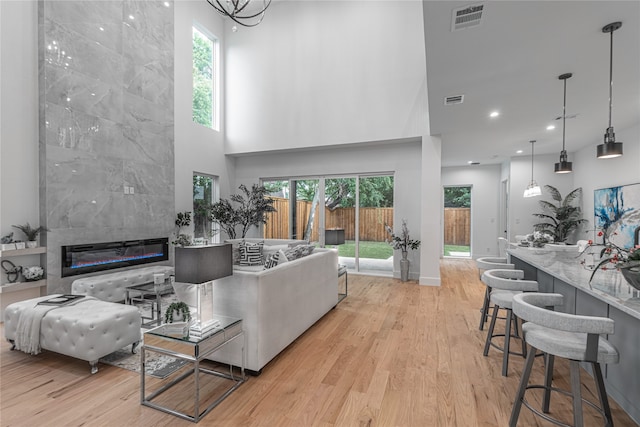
pixel 453 100
pixel 466 17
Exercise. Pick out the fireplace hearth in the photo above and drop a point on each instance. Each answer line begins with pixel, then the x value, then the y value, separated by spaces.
pixel 82 259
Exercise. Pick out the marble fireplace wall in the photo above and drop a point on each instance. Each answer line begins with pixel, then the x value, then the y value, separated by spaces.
pixel 106 123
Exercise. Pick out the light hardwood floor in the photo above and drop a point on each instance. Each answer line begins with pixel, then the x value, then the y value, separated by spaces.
pixel 390 354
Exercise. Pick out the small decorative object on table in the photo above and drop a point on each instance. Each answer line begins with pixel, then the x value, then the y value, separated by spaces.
pixel 33 273
pixel 177 318
pixel 177 312
pixel 627 261
pixel 403 242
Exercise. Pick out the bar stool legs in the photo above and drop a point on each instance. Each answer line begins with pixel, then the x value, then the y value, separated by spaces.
pixel 511 323
pixel 576 395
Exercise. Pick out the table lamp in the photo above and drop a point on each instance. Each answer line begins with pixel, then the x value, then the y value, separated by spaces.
pixel 196 269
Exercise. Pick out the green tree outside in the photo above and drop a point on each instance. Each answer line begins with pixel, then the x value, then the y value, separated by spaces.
pixel 202 79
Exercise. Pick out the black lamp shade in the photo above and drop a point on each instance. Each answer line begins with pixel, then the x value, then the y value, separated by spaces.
pixel 201 264
pixel 334 236
pixel 564 167
pixel 609 150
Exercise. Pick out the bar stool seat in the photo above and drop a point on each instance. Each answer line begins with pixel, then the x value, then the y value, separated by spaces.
pixel 484 264
pixel 568 345
pixel 505 284
pixel 574 337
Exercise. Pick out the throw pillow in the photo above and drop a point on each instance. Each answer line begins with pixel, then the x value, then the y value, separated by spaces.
pixel 275 259
pixel 250 253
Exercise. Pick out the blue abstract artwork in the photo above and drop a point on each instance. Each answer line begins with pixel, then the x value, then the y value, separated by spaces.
pixel 617 210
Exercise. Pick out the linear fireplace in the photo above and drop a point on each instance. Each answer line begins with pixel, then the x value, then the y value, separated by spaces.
pixel 81 259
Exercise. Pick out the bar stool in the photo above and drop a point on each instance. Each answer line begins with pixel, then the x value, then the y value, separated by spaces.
pixel 505 284
pixel 489 263
pixel 570 336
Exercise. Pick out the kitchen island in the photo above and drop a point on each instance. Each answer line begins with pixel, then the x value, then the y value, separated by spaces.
pixel 608 295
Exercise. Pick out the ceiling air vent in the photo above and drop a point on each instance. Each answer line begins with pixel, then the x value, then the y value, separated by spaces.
pixel 453 100
pixel 465 17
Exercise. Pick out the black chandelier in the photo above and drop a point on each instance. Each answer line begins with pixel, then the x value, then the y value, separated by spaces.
pixel 610 148
pixel 247 13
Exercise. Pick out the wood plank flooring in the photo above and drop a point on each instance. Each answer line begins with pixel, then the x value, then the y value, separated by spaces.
pixel 390 354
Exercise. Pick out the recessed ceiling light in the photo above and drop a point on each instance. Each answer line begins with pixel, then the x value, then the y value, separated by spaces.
pixel 167 4
pixel 551 127
pixel 470 161
pixel 132 17
pixel 519 152
pixel 494 114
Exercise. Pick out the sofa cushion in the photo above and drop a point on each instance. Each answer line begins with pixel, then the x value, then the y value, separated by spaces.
pixel 275 259
pixel 251 253
pixel 299 251
pixel 269 250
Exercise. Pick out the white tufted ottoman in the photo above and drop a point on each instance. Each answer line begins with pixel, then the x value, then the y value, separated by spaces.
pixel 87 330
pixel 112 286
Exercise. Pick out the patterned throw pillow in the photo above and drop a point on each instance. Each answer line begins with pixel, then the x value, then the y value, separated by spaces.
pixel 299 251
pixel 275 259
pixel 250 253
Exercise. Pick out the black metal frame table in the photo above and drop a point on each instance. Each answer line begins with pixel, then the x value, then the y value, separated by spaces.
pixel 194 350
pixel 342 271
pixel 149 292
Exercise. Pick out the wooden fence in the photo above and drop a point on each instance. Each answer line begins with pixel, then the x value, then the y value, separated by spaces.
pixel 457 226
pixel 372 221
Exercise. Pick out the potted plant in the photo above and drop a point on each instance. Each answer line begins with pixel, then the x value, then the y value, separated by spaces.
pixel 564 217
pixel 183 219
pixel 403 242
pixel 177 312
pixel 31 233
pixel 251 208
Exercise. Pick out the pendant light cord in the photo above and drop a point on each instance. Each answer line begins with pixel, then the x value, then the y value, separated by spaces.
pixel 610 76
pixel 564 113
pixel 532 142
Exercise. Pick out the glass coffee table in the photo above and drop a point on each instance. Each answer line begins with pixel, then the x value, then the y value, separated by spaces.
pixel 149 293
pixel 206 394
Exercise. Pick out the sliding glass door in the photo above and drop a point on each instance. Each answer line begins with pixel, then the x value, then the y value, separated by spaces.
pixel 356 209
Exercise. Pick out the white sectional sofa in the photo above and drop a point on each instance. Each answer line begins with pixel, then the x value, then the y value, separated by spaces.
pixel 276 305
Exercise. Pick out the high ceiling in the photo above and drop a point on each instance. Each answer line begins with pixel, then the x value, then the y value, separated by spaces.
pixel 511 62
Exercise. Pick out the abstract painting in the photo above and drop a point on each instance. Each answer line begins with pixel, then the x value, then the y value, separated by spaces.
pixel 617 210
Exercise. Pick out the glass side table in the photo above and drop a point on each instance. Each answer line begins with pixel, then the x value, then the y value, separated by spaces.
pixel 149 293
pixel 193 350
pixel 342 273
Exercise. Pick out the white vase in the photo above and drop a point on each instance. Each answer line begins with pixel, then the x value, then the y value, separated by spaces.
pixel 404 267
pixel 32 244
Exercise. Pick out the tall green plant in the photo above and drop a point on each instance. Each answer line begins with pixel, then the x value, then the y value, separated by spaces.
pixel 563 217
pixel 245 210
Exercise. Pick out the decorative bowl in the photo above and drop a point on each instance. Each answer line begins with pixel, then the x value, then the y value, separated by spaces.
pixel 632 276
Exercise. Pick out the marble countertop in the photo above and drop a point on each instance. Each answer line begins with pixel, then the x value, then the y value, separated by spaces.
pixel 608 286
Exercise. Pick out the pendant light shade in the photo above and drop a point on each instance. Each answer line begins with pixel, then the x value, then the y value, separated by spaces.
pixel 610 148
pixel 533 189
pixel 563 166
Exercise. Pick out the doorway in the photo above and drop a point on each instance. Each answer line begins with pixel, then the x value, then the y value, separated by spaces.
pixel 457 221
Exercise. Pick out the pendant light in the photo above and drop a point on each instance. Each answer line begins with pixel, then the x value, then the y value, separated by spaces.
pixel 610 148
pixel 564 166
pixel 533 189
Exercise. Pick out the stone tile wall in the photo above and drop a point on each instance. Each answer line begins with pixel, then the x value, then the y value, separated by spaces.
pixel 106 123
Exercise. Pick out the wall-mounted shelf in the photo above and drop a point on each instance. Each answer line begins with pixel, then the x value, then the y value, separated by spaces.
pixel 21 286
pixel 21 252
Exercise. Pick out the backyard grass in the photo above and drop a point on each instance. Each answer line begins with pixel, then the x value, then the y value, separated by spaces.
pixel 374 250
pixel 453 248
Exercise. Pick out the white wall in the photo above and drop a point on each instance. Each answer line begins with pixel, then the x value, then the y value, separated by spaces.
pixel 485 203
pixel 197 148
pixel 521 209
pixel 318 73
pixel 19 131
pixel 403 159
pixel 19 196
pixel 592 173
